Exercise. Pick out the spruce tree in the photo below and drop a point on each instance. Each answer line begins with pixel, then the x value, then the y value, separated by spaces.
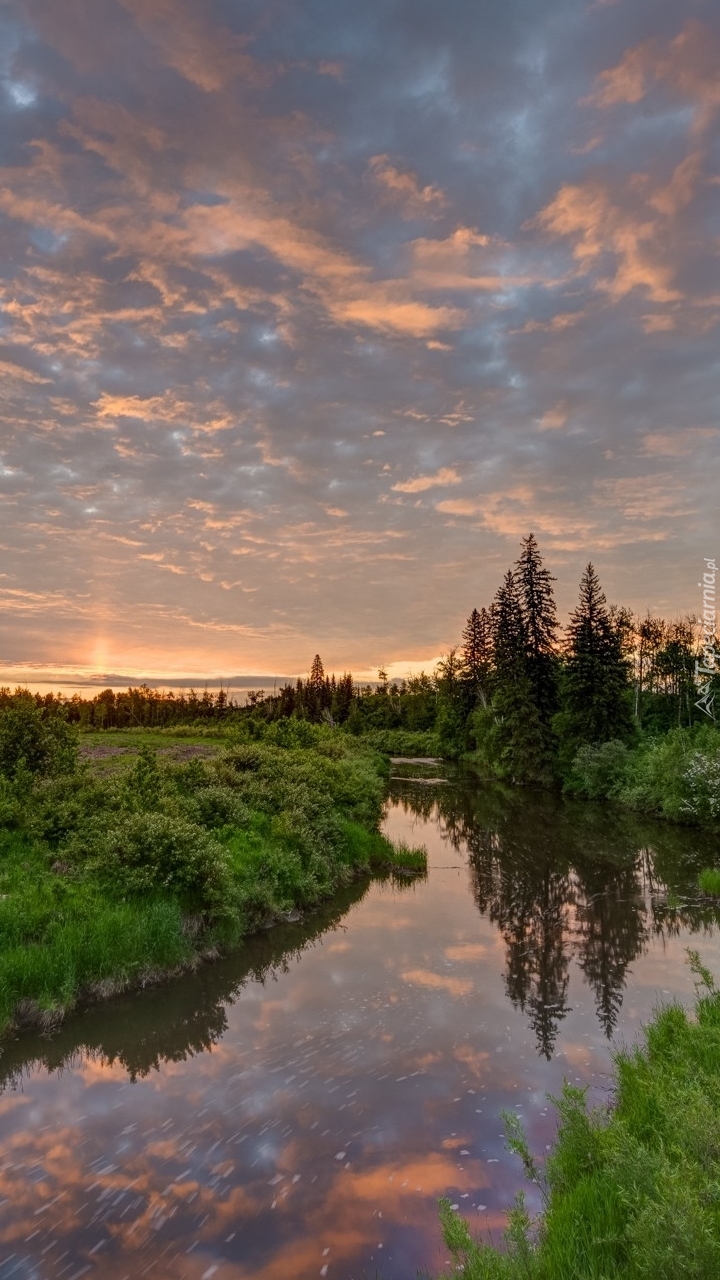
pixel 516 738
pixel 539 615
pixel 476 656
pixel 315 689
pixel 596 692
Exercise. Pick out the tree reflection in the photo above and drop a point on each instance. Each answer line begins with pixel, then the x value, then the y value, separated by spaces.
pixel 174 1021
pixel 562 880
pixel 529 897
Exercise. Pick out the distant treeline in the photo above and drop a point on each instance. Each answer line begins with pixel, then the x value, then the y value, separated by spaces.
pixel 520 693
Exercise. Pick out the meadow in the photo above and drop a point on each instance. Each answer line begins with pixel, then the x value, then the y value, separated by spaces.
pixel 130 855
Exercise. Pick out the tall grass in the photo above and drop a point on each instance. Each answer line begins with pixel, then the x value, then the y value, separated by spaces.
pixel 106 875
pixel 709 881
pixel 631 1192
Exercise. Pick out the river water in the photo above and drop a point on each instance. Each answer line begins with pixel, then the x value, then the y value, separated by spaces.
pixel 297 1109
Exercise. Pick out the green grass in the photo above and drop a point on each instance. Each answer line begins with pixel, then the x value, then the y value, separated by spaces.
pixel 631 1192
pixel 709 881
pixel 109 875
pixel 407 859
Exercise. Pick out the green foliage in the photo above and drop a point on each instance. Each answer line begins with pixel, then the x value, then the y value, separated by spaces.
pixel 631 1193
pixel 598 770
pixel 34 742
pixel 517 739
pixel 404 742
pixel 403 857
pixel 595 685
pixel 709 881
pixel 225 842
pixel 536 603
pixel 150 853
pixel 677 775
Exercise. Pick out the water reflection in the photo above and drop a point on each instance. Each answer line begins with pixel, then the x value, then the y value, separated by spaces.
pixel 296 1109
pixel 560 878
pixel 178 1019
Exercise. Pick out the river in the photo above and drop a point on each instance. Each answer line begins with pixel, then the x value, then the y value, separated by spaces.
pixel 297 1109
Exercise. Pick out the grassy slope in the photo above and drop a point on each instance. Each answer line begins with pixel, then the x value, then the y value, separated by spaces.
pixel 632 1193
pixel 142 860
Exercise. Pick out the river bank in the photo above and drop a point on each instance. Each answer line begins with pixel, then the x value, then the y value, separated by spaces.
pixel 630 1189
pixel 198 1124
pixel 674 775
pixel 145 855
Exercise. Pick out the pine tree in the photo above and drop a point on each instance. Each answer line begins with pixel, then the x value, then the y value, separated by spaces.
pixel 596 686
pixel 476 656
pixel 539 615
pixel 316 689
pixel 317 674
pixel 516 738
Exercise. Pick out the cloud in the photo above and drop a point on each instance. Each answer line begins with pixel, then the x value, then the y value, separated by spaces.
pixel 402 188
pixel 553 419
pixel 258 274
pixel 687 65
pixel 600 227
pixel 678 444
pixel 458 507
pixel 446 475
pixel 209 56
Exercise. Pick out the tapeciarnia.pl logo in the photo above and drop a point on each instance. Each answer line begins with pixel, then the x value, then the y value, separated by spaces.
pixel 707 668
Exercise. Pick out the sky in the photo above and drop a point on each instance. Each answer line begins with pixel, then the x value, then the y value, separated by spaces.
pixel 311 309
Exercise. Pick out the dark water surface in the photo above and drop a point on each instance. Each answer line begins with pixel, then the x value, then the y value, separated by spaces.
pixel 297 1109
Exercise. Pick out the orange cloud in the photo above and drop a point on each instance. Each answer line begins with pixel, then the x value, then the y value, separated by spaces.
pixel 467 259
pixel 552 419
pixel 402 188
pixel 446 475
pixel 678 444
pixel 688 64
pixel 210 57
pixel 588 215
pixel 458 507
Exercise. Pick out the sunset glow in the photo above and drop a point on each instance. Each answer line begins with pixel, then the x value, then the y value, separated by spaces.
pixel 308 315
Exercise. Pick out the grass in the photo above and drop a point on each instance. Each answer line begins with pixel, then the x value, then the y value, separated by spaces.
pixel 631 1192
pixel 111 876
pixel 709 881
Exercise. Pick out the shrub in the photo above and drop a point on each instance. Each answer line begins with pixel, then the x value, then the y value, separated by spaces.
pixel 34 742
pixel 219 806
pixel 598 770
pixel 678 775
pixel 291 732
pixel 151 852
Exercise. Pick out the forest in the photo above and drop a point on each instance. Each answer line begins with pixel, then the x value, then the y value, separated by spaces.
pixel 607 706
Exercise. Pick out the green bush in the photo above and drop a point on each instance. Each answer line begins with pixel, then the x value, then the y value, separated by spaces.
pixel 403 742
pixel 677 775
pixel 33 742
pixel 147 853
pixel 598 770
pixel 291 732
pixel 218 806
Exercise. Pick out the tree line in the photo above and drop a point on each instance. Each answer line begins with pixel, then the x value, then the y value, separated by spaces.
pixel 517 690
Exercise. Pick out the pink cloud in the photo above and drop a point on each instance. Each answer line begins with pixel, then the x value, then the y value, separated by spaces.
pixel 446 475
